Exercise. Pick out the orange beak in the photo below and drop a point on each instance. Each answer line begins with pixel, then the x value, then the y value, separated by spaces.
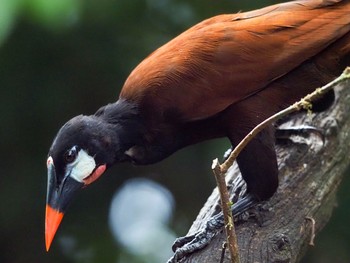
pixel 53 219
pixel 58 197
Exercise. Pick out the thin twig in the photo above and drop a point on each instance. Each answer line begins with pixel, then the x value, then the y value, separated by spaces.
pixel 304 103
pixel 226 210
pixel 313 223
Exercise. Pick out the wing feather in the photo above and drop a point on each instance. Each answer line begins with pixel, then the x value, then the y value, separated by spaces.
pixel 227 58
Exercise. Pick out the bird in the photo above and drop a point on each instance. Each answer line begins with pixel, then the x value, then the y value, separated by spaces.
pixel 219 78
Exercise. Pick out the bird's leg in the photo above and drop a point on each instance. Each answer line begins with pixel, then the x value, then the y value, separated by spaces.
pixel 258 165
pixel 184 246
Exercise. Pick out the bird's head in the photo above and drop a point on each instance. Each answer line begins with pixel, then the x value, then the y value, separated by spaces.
pixel 80 153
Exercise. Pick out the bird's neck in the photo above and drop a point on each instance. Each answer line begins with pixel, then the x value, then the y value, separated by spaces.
pixel 123 125
pixel 133 136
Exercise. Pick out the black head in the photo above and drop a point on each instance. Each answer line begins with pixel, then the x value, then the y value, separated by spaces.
pixel 82 150
pixel 83 134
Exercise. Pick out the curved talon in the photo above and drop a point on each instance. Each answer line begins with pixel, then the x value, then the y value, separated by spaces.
pixel 180 241
pixel 302 130
pixel 186 245
pixel 196 242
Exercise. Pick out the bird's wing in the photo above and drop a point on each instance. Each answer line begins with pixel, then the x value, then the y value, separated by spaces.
pixel 227 58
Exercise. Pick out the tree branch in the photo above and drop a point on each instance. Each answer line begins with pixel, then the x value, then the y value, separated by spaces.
pixel 310 173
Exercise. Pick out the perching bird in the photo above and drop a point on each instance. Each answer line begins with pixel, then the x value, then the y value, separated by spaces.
pixel 219 78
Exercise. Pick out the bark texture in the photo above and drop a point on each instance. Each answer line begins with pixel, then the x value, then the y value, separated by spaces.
pixel 310 173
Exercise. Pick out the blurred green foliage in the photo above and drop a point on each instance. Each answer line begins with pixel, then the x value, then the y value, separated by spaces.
pixel 60 58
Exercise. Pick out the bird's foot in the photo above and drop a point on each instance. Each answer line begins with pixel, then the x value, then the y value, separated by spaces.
pixel 185 246
pixel 303 131
pixel 287 133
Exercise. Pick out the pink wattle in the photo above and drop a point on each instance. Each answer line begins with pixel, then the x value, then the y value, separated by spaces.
pixel 95 175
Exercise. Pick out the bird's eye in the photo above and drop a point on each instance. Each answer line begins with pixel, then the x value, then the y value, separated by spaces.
pixel 70 155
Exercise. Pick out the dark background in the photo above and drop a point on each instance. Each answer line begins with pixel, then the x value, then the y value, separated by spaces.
pixel 61 58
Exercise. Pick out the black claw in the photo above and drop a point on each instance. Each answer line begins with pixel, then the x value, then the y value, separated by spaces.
pixel 184 246
pixel 179 242
pixel 303 130
pixel 195 242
